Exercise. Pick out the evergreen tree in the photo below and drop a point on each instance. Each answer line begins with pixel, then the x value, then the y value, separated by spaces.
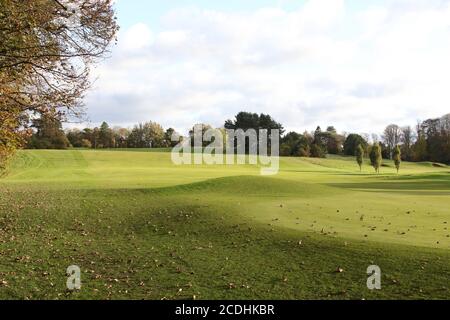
pixel 360 156
pixel 319 146
pixel 106 136
pixel 397 157
pixel 49 134
pixel 376 158
pixel 352 142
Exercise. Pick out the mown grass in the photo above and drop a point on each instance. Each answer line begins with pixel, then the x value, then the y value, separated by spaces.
pixel 141 228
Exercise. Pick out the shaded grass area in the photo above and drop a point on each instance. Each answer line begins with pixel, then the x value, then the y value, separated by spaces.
pixel 437 184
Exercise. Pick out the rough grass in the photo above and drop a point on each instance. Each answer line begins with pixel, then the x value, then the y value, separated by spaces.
pixel 142 228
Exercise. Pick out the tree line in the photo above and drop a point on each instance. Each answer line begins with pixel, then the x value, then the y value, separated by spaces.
pixel 48 134
pixel 428 141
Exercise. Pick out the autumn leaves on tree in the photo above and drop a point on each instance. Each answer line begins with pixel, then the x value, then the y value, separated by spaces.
pixel 46 50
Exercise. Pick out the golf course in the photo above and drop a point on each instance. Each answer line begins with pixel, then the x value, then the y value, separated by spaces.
pixel 140 227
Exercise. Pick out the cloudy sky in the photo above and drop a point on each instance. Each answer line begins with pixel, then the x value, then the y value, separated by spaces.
pixel 357 65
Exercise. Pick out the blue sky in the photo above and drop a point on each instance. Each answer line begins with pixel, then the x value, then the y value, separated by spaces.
pixel 357 65
pixel 150 11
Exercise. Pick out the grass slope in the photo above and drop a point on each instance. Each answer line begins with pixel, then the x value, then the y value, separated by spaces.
pixel 142 228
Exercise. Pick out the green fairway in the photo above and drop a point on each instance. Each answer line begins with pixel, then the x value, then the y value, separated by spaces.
pixel 142 228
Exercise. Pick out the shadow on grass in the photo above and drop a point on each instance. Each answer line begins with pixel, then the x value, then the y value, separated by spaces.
pixel 430 184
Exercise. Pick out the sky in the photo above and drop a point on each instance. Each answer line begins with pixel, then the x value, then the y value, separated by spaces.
pixel 356 65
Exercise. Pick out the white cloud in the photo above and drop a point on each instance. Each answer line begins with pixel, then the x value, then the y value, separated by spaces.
pixel 137 37
pixel 321 65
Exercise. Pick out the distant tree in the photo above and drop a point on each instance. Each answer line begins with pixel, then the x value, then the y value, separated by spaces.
pixel 295 145
pixel 385 154
pixel 85 143
pixel 49 134
pixel 120 137
pixel 391 137
pixel 420 149
pixel 397 157
pixel 285 150
pixel 95 138
pixel 304 151
pixel 407 140
pixel 352 142
pixel 319 145
pixel 89 134
pixel 434 136
pixel 317 151
pixel 360 156
pixel 244 121
pixel 247 120
pixel 75 137
pixel 146 135
pixel 154 134
pixel 375 156
pixel 168 138
pixel 335 143
pixel 136 137
pixel 106 136
pixel 318 132
pixel 193 132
